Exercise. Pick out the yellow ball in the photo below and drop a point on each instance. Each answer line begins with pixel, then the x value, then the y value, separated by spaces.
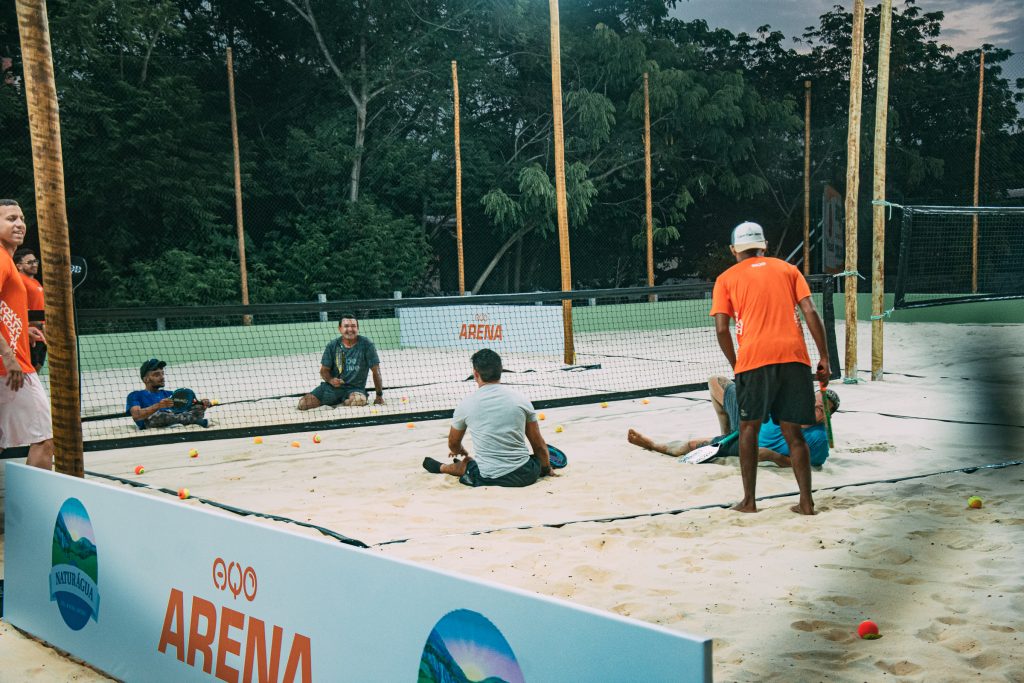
pixel 184 493
pixel 295 444
pixel 193 453
pixel 974 502
pixel 214 402
pixel 541 416
pixel 316 438
pixel 604 405
pixel 258 439
pixel 558 429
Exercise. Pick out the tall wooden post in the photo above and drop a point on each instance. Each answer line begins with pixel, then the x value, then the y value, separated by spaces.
pixel 52 218
pixel 878 194
pixel 458 182
pixel 560 202
pixel 649 205
pixel 977 176
pixel 240 225
pixel 852 188
pixel 807 177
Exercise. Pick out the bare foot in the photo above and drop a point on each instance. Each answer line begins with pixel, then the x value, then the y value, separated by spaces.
pixel 744 507
pixel 638 439
pixel 355 400
pixel 802 509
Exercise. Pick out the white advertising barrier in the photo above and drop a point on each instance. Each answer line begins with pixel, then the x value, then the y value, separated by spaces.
pixel 526 329
pixel 153 589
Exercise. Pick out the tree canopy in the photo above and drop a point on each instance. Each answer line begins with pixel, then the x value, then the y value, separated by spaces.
pixel 346 133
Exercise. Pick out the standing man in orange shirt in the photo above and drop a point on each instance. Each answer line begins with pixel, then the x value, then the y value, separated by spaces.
pixel 24 406
pixel 28 265
pixel 773 369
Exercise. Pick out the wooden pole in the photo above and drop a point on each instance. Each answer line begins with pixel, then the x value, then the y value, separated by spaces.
pixel 852 188
pixel 240 225
pixel 458 182
pixel 647 184
pixel 52 218
pixel 878 193
pixel 977 175
pixel 560 202
pixel 807 177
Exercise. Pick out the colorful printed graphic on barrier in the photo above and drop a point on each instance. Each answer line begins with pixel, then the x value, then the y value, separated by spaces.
pixel 75 572
pixel 465 646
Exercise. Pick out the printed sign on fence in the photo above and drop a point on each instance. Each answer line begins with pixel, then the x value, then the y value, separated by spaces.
pixel 833 232
pixel 526 329
pixel 148 588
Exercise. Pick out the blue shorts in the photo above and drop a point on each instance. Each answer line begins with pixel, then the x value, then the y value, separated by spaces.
pixel 526 474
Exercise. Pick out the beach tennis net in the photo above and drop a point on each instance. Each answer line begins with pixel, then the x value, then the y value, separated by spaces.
pixel 255 362
pixel 957 254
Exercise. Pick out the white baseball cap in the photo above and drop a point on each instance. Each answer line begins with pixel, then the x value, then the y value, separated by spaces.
pixel 748 235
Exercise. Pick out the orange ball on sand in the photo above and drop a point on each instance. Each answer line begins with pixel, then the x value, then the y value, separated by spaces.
pixel 410 425
pixel 139 469
pixel 646 401
pixel 295 444
pixel 258 439
pixel 868 630
pixel 316 438
pixel 541 416
pixel 183 493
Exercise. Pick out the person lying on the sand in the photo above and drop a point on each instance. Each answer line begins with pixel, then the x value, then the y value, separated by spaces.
pixel 502 422
pixel 771 444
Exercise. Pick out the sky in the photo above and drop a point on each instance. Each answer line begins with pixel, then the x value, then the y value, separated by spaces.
pixel 968 23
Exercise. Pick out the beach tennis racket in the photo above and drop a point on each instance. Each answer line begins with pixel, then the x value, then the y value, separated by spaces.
pixel 828 416
pixel 557 457
pixel 182 400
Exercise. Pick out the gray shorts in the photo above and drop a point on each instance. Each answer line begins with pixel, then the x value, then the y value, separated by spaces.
pixel 332 396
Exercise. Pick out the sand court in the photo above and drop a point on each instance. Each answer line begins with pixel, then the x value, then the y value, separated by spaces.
pixel 781 594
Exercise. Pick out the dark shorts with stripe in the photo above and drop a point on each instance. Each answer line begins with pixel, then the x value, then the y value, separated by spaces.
pixel 526 474
pixel 784 391
pixel 331 396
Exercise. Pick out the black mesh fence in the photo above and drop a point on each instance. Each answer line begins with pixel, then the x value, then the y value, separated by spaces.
pixel 951 254
pixel 628 343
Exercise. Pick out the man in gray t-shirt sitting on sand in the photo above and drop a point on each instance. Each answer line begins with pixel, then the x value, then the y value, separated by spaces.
pixel 502 422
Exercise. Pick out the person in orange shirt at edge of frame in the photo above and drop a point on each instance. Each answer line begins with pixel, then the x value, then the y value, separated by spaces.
pixel 772 366
pixel 24 405
pixel 28 265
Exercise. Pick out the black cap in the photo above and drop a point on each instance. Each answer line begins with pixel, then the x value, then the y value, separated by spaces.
pixel 149 366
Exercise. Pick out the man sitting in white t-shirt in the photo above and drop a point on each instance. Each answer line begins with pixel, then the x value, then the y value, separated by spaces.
pixel 502 421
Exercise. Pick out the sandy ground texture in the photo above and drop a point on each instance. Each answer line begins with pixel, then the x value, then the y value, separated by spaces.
pixel 781 594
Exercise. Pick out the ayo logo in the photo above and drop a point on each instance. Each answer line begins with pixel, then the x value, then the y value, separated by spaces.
pixel 233 578
pixel 75 572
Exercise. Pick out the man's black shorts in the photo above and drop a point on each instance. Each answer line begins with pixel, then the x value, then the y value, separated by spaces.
pixel 526 474
pixel 785 391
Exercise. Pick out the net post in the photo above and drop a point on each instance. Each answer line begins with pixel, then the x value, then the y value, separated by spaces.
pixel 977 174
pixel 878 208
pixel 51 214
pixel 647 185
pixel 560 201
pixel 852 186
pixel 807 178
pixel 239 224
pixel 458 180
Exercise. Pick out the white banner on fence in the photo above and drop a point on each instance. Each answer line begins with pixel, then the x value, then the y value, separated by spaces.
pixel 528 329
pixel 149 588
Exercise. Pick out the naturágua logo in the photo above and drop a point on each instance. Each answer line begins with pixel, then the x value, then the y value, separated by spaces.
pixel 465 647
pixel 75 573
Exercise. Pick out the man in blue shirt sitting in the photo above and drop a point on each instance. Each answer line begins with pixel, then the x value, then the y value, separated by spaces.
pixel 153 407
pixel 772 445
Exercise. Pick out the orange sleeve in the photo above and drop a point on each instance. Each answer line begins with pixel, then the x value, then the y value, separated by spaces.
pixel 720 300
pixel 800 285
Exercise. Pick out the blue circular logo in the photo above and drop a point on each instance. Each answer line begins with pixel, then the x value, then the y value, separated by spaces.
pixel 75 572
pixel 465 646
